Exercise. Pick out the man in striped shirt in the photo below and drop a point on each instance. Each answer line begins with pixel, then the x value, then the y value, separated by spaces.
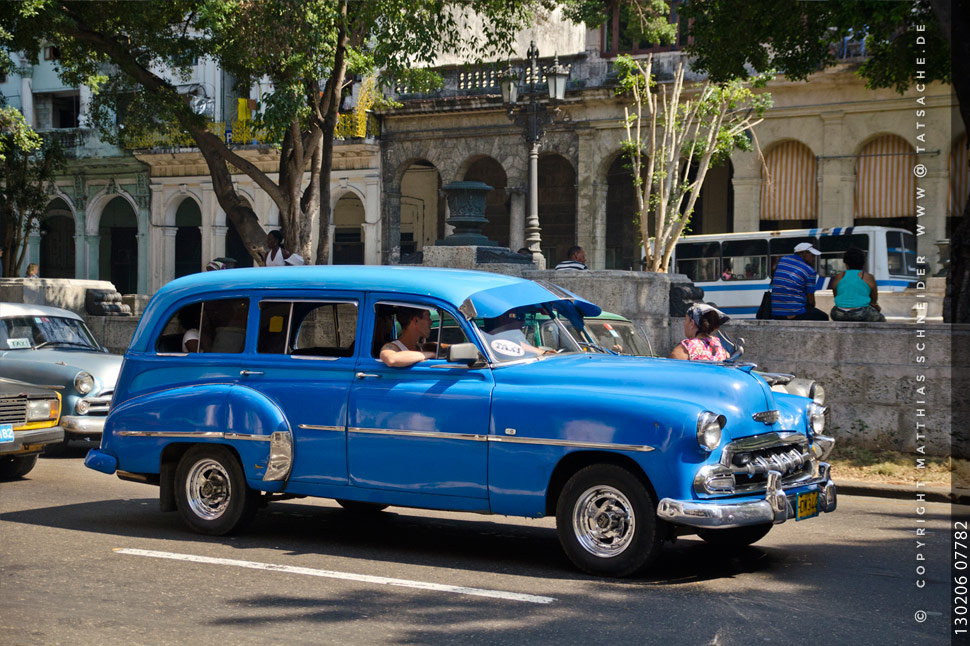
pixel 793 286
pixel 575 260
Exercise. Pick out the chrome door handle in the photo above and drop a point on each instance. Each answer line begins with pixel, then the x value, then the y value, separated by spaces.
pixel 367 375
pixel 246 373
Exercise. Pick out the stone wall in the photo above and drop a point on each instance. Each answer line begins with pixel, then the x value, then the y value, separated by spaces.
pixel 880 379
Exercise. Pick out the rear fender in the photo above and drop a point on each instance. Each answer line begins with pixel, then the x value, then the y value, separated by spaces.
pixel 139 430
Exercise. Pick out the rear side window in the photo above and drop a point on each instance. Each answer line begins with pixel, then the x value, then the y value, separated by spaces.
pixel 209 326
pixel 307 328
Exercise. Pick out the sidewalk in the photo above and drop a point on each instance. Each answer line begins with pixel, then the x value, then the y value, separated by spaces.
pixel 902 491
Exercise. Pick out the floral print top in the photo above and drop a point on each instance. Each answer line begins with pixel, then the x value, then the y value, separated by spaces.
pixel 704 348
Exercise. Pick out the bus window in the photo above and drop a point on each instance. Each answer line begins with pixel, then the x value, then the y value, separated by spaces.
pixel 699 261
pixel 832 247
pixel 786 246
pixel 744 259
pixel 901 253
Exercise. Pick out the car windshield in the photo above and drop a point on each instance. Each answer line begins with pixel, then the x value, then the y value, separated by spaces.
pixel 620 337
pixel 29 332
pixel 530 331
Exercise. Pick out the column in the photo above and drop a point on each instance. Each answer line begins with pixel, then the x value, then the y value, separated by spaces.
pixel 168 253
pixel 371 229
pixel 747 183
pixel 93 269
pixel 831 171
pixel 27 98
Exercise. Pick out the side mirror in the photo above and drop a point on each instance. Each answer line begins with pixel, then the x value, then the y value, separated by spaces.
pixel 466 353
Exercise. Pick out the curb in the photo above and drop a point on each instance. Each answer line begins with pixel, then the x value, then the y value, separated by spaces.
pixel 902 491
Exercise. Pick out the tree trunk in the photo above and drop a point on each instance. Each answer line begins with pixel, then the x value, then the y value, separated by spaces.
pixel 331 107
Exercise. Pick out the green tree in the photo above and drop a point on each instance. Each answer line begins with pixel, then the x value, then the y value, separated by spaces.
pixel 27 171
pixel 674 132
pixel 305 47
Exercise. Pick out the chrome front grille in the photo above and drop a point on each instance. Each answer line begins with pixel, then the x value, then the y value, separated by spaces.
pixel 13 410
pixel 99 405
pixel 751 458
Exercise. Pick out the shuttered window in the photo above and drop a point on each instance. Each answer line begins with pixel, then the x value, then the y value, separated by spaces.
pixel 788 189
pixel 885 184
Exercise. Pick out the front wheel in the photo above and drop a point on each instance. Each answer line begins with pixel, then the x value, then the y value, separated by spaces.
pixel 16 466
pixel 735 536
pixel 607 522
pixel 211 491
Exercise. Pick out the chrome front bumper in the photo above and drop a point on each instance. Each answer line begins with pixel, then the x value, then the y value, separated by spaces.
pixel 776 507
pixel 83 425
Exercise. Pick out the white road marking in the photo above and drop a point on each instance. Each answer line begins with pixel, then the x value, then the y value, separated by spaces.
pixel 346 576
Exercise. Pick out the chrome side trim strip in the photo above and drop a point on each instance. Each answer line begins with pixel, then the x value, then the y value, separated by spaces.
pixel 438 435
pixel 571 444
pixel 207 435
pixel 314 427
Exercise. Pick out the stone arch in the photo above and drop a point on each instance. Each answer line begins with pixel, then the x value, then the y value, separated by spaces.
pixel 622 233
pixel 487 169
pixel 187 220
pixel 58 246
pixel 118 234
pixel 422 208
pixel 349 215
pixel 175 202
pixel 98 203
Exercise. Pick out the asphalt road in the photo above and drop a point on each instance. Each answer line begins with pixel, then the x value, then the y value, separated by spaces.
pixel 88 559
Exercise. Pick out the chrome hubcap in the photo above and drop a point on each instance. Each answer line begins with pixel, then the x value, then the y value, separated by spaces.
pixel 208 489
pixel 604 521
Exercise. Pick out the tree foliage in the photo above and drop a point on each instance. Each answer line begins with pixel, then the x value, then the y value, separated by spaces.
pixel 675 131
pixel 134 54
pixel 26 175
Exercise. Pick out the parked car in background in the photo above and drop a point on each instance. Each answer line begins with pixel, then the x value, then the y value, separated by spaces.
pixel 287 396
pixel 28 423
pixel 49 346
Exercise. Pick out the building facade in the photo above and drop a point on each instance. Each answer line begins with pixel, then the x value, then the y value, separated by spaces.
pixel 830 153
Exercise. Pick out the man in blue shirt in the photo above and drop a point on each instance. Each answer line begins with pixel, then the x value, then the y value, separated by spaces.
pixel 793 286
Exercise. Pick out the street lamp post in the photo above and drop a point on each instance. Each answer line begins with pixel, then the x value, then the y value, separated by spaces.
pixel 533 117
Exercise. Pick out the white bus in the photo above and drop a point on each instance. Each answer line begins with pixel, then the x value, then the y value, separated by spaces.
pixel 735 269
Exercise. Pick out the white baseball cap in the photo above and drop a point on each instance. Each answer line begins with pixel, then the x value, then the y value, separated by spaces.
pixel 807 246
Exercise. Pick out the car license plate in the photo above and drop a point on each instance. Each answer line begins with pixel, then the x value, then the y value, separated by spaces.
pixel 807 505
pixel 6 433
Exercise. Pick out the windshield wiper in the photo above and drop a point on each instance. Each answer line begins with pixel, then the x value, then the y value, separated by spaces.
pixel 57 342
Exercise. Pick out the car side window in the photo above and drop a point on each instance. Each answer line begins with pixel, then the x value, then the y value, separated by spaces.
pixel 302 328
pixel 209 326
pixel 445 329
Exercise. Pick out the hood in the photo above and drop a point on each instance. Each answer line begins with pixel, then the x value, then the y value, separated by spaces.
pixel 661 384
pixel 51 366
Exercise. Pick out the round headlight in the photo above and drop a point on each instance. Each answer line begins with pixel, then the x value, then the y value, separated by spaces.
pixel 816 417
pixel 709 428
pixel 83 382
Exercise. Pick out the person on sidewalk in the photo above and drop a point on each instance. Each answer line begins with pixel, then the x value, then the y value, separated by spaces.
pixel 856 294
pixel 575 260
pixel 793 286
pixel 278 255
pixel 700 324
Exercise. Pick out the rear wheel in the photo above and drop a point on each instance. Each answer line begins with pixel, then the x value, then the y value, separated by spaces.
pixel 359 507
pixel 211 491
pixel 735 536
pixel 16 466
pixel 607 521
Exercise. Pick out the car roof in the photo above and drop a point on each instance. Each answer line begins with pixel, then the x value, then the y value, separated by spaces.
pixel 490 294
pixel 9 310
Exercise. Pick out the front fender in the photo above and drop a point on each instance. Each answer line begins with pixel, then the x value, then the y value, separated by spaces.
pixel 138 430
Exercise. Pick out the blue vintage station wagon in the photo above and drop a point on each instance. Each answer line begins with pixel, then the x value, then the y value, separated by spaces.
pixel 245 386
